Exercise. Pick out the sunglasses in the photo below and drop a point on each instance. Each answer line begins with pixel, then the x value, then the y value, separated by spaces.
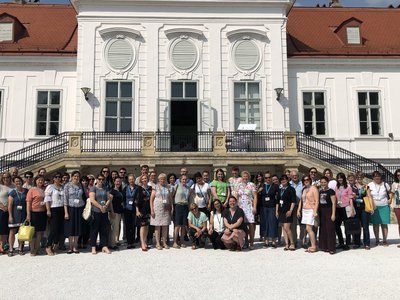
pixel 100 179
pixel 58 177
pixel 194 208
pixel 313 172
pixel 306 179
pixel 268 177
pixel 105 171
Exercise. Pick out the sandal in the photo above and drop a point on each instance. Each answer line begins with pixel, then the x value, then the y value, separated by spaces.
pixel 311 250
pixel 273 245
pixel 385 244
pixel 166 246
pixel 286 248
pixel 159 247
pixel 176 246
pixel 194 247
pixel 292 248
pixel 11 253
pixel 106 250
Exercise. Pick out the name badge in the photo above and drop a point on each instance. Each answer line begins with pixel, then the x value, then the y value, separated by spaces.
pixel 76 201
pixel 281 202
pixel 223 194
pixel 164 201
pixel 103 202
pixel 42 203
pixel 267 199
pixel 130 202
pixel 19 207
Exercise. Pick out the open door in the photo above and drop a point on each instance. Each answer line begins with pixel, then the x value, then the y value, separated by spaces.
pixel 206 125
pixel 163 139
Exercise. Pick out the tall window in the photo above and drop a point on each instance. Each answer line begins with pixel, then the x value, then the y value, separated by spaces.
pixel 369 113
pixel 184 90
pixel 247 103
pixel 48 112
pixel 314 113
pixel 119 106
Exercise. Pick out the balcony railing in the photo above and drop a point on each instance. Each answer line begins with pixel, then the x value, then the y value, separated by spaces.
pixel 184 142
pixel 35 153
pixel 254 141
pixel 93 141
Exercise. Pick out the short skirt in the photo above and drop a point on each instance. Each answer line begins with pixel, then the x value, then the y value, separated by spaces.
pixel 39 221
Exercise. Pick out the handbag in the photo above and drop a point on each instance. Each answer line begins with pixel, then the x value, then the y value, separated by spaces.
pixel 26 232
pixel 367 205
pixel 87 211
pixel 352 226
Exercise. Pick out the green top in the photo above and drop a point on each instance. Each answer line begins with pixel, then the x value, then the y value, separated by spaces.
pixel 222 189
pixel 198 222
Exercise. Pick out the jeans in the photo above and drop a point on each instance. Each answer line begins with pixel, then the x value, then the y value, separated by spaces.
pixel 100 226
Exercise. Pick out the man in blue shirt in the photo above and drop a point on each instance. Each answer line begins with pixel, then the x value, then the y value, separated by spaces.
pixel 298 186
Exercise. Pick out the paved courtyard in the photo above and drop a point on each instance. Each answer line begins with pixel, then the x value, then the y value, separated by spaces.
pixel 206 274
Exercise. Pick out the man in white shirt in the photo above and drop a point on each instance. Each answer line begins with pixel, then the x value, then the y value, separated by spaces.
pixel 298 186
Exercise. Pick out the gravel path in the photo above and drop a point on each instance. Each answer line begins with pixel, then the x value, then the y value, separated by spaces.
pixel 206 274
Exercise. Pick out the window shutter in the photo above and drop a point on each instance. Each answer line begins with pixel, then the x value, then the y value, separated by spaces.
pixel 120 54
pixel 184 55
pixel 246 55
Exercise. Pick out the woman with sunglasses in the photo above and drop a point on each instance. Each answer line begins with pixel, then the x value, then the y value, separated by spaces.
pixel 197 221
pixel 54 199
pixel 115 215
pixel 28 180
pixel 74 202
pixel 107 182
pixel 101 202
pixel 380 196
pixel 327 216
pixel 160 205
pixel 269 196
pixel 36 213
pixel 217 227
pixel 308 210
pixel 5 188
pixel 396 195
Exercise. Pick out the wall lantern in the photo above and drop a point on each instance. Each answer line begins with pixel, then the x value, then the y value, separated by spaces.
pixel 278 93
pixel 86 91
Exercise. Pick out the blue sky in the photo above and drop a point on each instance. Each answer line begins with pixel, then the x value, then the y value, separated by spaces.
pixel 348 3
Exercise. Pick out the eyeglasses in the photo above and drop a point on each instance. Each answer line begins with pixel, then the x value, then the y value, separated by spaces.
pixel 267 177
pixel 306 179
pixel 100 179
pixel 91 178
pixel 6 177
pixel 28 176
pixel 194 208
pixel 58 177
pixel 313 172
pixel 122 172
pixel 105 171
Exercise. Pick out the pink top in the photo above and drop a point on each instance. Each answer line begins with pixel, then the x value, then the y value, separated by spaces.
pixel 344 195
pixel 308 197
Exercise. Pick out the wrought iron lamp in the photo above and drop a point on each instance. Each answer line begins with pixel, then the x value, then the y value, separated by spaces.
pixel 86 91
pixel 278 93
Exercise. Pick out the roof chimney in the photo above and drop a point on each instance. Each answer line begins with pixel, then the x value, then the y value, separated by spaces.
pixel 335 3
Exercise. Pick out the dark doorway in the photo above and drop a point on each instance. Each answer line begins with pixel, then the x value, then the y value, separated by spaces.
pixel 184 125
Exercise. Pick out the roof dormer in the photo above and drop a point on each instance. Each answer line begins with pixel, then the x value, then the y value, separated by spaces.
pixel 11 29
pixel 349 32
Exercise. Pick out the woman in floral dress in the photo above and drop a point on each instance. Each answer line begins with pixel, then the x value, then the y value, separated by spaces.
pixel 247 198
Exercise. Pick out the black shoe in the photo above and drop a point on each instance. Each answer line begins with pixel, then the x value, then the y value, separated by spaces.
pixel 130 247
pixel 185 238
pixel 340 246
pixel 345 248
pixel 114 248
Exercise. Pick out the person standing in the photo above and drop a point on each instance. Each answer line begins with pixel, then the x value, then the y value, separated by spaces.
pixel 284 210
pixel 143 210
pixel 308 210
pixel 5 188
pixel 234 181
pixel 115 214
pixel 298 186
pixel 36 213
pixel 327 216
pixel 131 193
pixel 17 213
pixel 220 188
pixel 380 196
pixel 160 205
pixel 396 197
pixel 247 194
pixel 268 216
pixel 344 208
pixel 202 194
pixel 359 204
pixel 181 210
pixel 54 199
pixel 101 202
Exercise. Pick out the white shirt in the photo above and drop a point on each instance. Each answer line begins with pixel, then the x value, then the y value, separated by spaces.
pixel 218 222
pixel 379 193
pixel 201 194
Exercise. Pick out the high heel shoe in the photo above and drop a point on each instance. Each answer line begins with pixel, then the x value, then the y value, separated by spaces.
pixel 106 250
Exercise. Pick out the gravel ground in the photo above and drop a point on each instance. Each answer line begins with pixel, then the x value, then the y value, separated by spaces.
pixel 206 273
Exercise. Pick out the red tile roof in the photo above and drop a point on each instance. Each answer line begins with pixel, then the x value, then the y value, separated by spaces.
pixel 311 32
pixel 49 29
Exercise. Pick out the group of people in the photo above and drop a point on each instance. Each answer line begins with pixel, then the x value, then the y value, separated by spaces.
pixel 224 210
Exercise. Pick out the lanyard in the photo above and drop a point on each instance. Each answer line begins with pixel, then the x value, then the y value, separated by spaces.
pixel 219 220
pixel 282 192
pixel 232 216
pixel 163 193
pixel 267 188
pixel 19 196
pixel 130 192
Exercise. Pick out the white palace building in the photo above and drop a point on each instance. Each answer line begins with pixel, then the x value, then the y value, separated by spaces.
pixel 173 82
